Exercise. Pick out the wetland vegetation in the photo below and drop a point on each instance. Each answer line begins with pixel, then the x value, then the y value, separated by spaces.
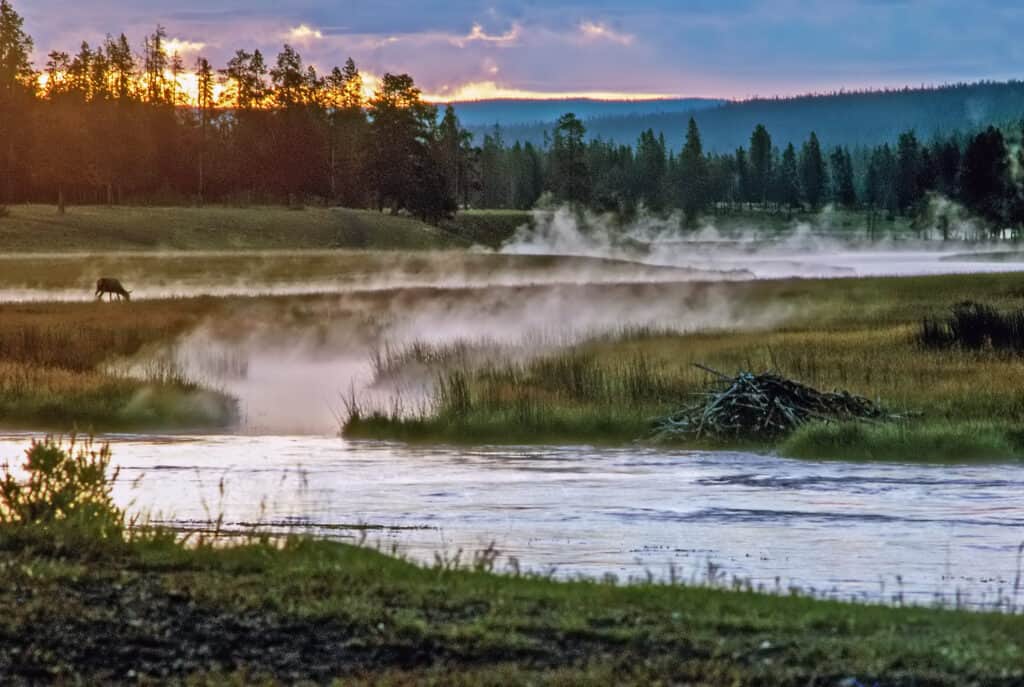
pixel 859 335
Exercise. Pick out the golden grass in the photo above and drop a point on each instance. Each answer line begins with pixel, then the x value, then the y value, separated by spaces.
pixel 53 372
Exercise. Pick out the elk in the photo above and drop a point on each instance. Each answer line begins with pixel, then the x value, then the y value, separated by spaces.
pixel 111 286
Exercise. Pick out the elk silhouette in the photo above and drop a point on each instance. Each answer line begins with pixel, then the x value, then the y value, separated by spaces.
pixel 112 287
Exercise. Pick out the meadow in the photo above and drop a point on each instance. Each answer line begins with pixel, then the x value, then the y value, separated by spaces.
pixel 35 228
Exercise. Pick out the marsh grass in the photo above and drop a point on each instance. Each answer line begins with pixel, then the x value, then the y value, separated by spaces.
pixel 55 368
pixel 856 335
pixel 975 327
pixel 926 442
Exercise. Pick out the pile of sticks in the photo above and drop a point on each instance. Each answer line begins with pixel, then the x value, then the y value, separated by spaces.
pixel 765 406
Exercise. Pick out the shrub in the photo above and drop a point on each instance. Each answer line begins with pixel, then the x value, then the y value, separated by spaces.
pixel 64 501
pixel 975 326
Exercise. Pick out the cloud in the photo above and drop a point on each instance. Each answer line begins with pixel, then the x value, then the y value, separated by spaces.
pixel 182 47
pixel 593 31
pixel 303 34
pixel 477 33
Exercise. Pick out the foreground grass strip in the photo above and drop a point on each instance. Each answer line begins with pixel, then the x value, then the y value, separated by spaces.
pixel 315 611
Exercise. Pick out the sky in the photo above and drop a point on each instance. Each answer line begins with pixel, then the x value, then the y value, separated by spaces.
pixel 470 49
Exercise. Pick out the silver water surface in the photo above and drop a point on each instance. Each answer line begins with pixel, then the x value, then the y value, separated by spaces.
pixel 866 530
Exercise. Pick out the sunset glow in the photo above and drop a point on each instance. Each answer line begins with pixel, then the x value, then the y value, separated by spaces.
pixel 489 90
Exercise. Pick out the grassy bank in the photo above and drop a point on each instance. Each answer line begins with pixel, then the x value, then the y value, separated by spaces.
pixel 859 335
pixel 316 611
pixel 53 370
pixel 89 600
pixel 35 228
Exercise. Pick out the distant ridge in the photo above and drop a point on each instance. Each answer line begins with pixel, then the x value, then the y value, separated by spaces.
pixel 482 114
pixel 842 118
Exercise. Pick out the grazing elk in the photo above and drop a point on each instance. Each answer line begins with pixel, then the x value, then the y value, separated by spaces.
pixel 112 287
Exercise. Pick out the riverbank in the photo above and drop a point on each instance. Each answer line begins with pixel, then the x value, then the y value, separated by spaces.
pixel 316 611
pixel 858 335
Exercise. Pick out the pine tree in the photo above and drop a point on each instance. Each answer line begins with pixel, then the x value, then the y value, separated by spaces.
pixel 908 161
pixel 348 137
pixel 16 72
pixel 813 174
pixel 570 176
pixel 17 86
pixel 693 174
pixel 789 179
pixel 844 192
pixel 742 190
pixel 205 104
pixel 760 164
pixel 649 171
pixel 985 176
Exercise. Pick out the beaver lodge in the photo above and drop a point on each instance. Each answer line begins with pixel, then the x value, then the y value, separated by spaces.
pixel 764 406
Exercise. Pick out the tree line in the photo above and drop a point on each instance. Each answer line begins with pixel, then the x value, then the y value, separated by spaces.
pixel 843 118
pixel 979 170
pixel 107 124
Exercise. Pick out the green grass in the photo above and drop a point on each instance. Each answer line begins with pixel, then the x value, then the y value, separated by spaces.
pixel 925 442
pixel 488 228
pixel 316 610
pixel 37 228
pixel 55 367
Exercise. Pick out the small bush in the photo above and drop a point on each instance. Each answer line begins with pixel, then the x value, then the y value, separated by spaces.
pixel 975 326
pixel 64 502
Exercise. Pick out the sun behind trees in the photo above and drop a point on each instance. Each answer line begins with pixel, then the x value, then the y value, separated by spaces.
pixel 107 125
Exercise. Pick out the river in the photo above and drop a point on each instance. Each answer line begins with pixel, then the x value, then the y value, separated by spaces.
pixel 878 532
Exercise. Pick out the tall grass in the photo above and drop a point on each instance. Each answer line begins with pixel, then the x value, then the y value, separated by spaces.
pixel 56 371
pixel 562 395
pixel 975 326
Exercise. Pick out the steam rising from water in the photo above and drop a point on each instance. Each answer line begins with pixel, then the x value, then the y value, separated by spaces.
pixel 950 243
pixel 291 359
pixel 290 362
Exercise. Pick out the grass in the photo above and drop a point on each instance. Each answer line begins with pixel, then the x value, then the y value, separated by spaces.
pixel 926 442
pixel 89 600
pixel 35 228
pixel 858 335
pixel 54 373
pixel 489 228
pixel 252 271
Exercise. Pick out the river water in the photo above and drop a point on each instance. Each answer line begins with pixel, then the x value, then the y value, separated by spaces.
pixel 879 532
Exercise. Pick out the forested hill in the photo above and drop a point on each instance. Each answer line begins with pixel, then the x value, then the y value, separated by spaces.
pixel 482 115
pixel 851 119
